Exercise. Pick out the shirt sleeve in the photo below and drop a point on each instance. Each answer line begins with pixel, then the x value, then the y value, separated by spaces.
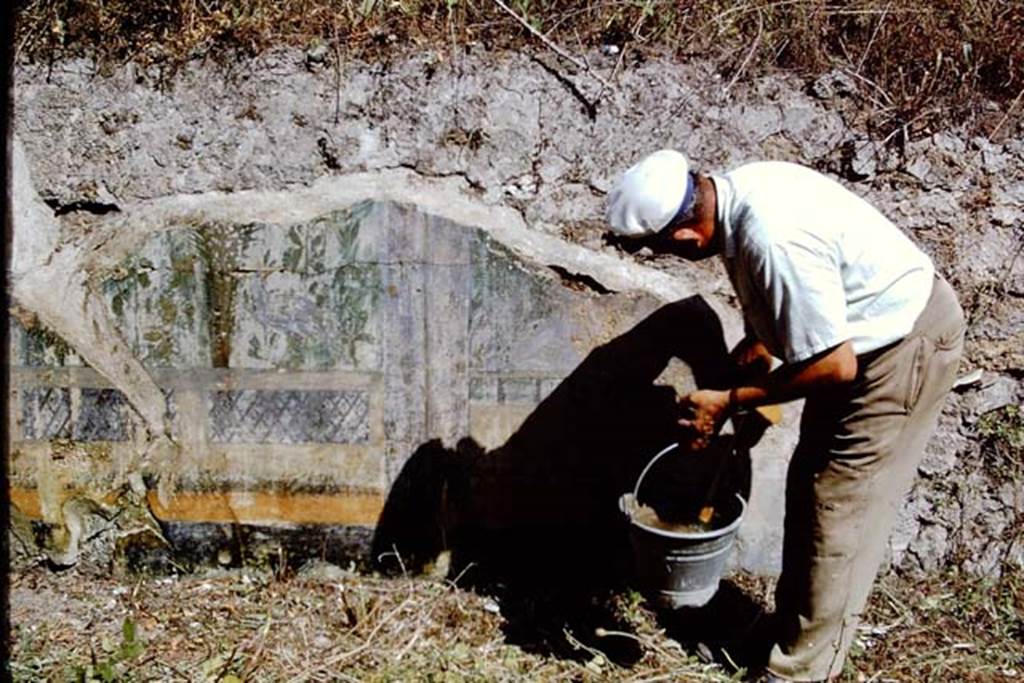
pixel 801 284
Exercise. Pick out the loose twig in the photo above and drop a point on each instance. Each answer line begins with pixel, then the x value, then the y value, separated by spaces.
pixel 254 659
pixel 582 65
pixel 338 658
pixel 753 49
pixel 337 75
pixel 874 34
pixel 577 645
pixel 1006 116
pixel 615 70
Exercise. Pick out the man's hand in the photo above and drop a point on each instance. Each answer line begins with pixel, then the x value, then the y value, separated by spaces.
pixel 708 409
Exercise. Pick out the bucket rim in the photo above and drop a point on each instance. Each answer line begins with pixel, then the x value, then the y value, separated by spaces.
pixel 688 535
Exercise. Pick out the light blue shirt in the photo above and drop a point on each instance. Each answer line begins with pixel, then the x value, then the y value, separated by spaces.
pixel 813 264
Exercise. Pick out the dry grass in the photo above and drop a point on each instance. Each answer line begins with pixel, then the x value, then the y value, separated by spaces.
pixel 920 65
pixel 944 628
pixel 253 627
pixel 235 626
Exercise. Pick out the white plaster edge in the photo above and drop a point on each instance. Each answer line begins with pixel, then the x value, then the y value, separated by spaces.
pixel 445 197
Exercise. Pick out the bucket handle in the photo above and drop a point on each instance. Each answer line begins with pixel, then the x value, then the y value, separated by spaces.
pixel 636 489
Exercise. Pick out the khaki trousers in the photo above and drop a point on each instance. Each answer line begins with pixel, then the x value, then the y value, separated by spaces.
pixel 858 453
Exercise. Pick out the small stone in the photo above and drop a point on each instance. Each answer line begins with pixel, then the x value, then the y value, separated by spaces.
pixel 109 124
pixel 184 139
pixel 859 160
pixel 796 121
pixel 1009 496
pixel 323 571
pixel 822 88
pixel 316 54
pixel 137 484
pixel 938 460
pixel 995 393
pixel 523 187
pixel 949 143
pixel 920 168
pixel 931 545
pixel 1006 216
pixel 610 50
pixel 103 195
pixel 833 84
pixel 969 379
pixel 993 161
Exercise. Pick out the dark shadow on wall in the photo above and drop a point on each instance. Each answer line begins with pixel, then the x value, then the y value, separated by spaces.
pixel 536 520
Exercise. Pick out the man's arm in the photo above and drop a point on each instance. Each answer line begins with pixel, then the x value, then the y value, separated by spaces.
pixel 710 408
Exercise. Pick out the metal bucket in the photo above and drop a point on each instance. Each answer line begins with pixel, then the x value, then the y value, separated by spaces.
pixel 680 568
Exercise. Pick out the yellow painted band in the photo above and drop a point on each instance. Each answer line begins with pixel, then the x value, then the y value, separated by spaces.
pixel 246 507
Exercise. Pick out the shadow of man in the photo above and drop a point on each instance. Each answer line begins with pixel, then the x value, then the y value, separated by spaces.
pixel 536 520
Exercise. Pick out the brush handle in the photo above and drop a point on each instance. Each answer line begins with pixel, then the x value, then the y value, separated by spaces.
pixel 708 511
pixel 748 428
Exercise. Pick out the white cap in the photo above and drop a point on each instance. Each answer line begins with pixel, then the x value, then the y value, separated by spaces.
pixel 650 195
